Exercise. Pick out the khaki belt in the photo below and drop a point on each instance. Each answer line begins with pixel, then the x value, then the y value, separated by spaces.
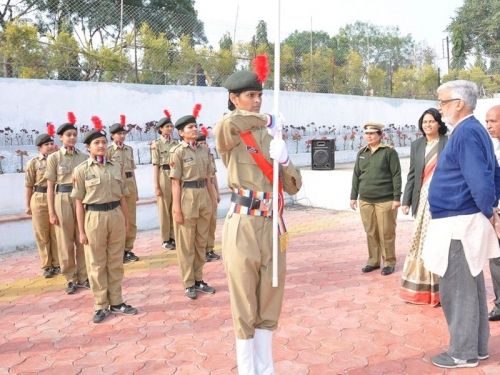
pixel 194 184
pixel 64 188
pixel 40 189
pixel 102 206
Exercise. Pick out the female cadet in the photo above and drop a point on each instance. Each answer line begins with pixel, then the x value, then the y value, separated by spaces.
pixel 123 154
pixel 101 206
pixel 36 204
pixel 192 193
pixel 60 166
pixel 241 140
pixel 160 156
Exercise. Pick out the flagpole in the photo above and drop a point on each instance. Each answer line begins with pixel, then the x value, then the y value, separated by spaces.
pixel 278 135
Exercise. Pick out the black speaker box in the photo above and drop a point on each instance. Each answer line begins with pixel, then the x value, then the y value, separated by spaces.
pixel 323 154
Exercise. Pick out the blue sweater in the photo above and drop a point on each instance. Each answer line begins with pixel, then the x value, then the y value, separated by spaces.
pixel 464 180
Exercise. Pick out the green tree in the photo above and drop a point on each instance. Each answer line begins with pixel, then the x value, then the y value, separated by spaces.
pixel 427 82
pixel 158 56
pixel 405 83
pixel 225 42
pixel 376 81
pixel 63 57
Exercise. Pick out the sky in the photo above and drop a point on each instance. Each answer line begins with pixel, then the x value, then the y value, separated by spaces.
pixel 425 20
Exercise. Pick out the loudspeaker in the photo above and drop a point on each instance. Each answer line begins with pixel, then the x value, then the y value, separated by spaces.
pixel 323 154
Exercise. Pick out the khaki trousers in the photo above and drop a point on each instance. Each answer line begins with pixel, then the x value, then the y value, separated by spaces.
pixel 104 252
pixel 45 234
pixel 132 209
pixel 379 221
pixel 211 228
pixel 191 237
pixel 71 254
pixel 165 206
pixel 247 252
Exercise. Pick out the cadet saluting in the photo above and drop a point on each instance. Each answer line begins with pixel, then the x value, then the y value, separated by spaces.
pixel 36 204
pixel 246 148
pixel 123 154
pixel 101 206
pixel 192 193
pixel 62 214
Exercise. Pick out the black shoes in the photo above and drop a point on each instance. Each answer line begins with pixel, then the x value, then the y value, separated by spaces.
pixel 369 268
pixel 494 315
pixel 47 273
pixel 129 256
pixel 387 270
pixel 123 309
pixel 203 287
pixel 56 270
pixel 190 292
pixel 84 285
pixel 211 255
pixel 71 288
pixel 169 245
pixel 100 315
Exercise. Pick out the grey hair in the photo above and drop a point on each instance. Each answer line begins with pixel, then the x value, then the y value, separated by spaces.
pixel 465 90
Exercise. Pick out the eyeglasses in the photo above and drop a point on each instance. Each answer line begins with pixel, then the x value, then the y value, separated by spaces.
pixel 446 101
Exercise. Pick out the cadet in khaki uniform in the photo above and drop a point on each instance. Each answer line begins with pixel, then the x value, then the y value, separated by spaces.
pixel 62 214
pixel 100 195
pixel 36 204
pixel 247 234
pixel 210 254
pixel 118 152
pixel 160 157
pixel 192 193
pixel 376 179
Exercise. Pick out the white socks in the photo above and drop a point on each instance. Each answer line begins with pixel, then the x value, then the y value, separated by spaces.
pixel 245 356
pixel 263 341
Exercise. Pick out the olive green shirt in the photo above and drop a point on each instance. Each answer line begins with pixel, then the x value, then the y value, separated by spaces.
pixel 377 176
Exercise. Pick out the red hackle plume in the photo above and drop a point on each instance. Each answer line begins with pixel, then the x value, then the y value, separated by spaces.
pixel 167 113
pixel 123 120
pixel 204 131
pixel 51 129
pixel 71 118
pixel 97 122
pixel 196 110
pixel 261 66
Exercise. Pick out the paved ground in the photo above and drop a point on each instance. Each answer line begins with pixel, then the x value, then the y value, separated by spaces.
pixel 335 319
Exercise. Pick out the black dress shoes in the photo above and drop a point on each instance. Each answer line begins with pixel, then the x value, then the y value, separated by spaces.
pixel 369 268
pixel 387 270
pixel 494 315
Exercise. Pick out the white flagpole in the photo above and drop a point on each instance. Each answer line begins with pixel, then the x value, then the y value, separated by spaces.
pixel 278 135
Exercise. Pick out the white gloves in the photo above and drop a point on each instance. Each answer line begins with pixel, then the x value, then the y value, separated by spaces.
pixel 278 151
pixel 272 123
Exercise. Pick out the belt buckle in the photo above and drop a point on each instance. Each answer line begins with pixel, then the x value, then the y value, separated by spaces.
pixel 266 205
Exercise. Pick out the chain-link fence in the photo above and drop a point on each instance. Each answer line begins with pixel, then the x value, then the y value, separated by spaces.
pixel 163 43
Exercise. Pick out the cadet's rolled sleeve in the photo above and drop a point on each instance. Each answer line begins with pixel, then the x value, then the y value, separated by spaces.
pixel 176 165
pixel 79 190
pixel 155 156
pixel 51 171
pixel 30 175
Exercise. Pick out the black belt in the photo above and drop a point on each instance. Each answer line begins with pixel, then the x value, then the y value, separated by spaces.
pixel 40 189
pixel 102 206
pixel 194 184
pixel 165 167
pixel 249 202
pixel 64 188
pixel 129 174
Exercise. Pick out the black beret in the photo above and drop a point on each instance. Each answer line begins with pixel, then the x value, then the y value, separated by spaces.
pixel 242 81
pixel 115 128
pixel 163 121
pixel 93 134
pixel 184 120
pixel 43 138
pixel 66 126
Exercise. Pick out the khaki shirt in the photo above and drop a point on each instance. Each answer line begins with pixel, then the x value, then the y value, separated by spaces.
pixel 123 156
pixel 190 165
pixel 212 162
pixel 161 151
pixel 35 172
pixel 242 170
pixel 60 165
pixel 95 183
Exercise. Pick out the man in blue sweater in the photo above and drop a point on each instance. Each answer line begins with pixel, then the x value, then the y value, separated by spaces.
pixel 461 237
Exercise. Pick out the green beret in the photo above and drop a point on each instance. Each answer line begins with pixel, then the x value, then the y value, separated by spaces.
pixel 43 138
pixel 184 120
pixel 93 134
pixel 161 122
pixel 242 81
pixel 115 128
pixel 66 126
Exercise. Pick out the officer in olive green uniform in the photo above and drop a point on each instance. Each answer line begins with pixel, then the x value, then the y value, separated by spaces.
pixel 100 194
pixel 377 181
pixel 247 234
pixel 191 207
pixel 62 214
pixel 123 154
pixel 160 157
pixel 37 207
pixel 210 253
